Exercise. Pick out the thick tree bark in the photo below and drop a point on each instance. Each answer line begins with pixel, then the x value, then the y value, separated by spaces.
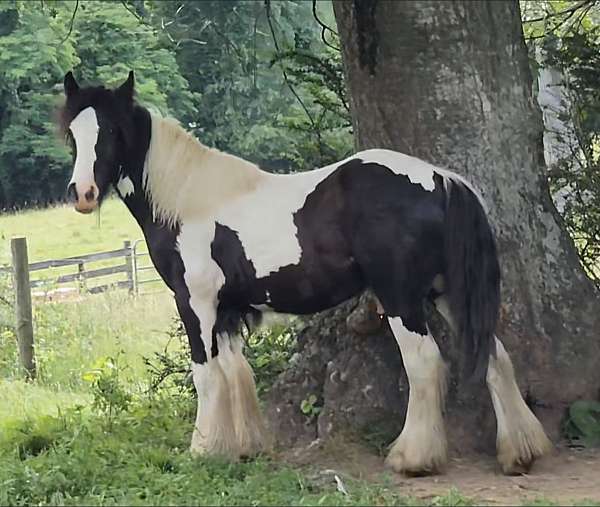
pixel 449 82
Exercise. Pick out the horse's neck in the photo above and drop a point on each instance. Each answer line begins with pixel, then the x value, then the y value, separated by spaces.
pixel 130 186
pixel 183 178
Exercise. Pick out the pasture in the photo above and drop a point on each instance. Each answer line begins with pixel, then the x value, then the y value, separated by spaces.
pixel 90 430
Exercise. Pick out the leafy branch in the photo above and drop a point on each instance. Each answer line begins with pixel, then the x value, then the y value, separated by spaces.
pixel 315 130
pixel 71 23
pixel 574 14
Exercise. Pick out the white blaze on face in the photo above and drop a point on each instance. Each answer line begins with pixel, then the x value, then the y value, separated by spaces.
pixel 84 128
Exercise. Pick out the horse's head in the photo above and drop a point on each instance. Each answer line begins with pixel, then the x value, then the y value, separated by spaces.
pixel 97 121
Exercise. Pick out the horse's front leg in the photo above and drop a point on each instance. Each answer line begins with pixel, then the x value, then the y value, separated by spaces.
pixel 214 430
pixel 249 425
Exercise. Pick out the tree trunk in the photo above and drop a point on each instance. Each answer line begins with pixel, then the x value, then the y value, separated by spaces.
pixel 449 82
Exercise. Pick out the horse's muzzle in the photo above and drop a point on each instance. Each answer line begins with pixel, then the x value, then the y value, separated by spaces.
pixel 85 202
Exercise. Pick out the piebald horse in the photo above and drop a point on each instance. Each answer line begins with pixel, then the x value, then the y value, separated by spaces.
pixel 231 240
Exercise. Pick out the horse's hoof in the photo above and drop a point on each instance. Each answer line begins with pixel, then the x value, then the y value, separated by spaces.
pixel 517 468
pixel 419 465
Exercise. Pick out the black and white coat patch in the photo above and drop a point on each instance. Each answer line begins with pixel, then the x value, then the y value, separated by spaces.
pixel 231 240
pixel 294 243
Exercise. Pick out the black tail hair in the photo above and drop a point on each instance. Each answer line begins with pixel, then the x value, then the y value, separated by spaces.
pixel 472 275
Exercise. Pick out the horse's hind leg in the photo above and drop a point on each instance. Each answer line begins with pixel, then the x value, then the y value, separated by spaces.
pixel 400 275
pixel 421 447
pixel 520 438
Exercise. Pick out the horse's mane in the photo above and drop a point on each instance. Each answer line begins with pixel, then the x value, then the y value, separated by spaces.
pixel 183 177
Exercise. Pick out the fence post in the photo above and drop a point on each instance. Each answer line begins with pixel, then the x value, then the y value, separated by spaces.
pixel 136 285
pixel 129 264
pixel 24 317
pixel 81 277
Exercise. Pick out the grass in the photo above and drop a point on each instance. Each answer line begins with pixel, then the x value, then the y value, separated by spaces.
pixel 143 460
pixel 59 231
pixel 72 337
pixel 61 444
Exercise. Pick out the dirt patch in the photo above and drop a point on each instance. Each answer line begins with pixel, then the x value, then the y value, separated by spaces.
pixel 567 477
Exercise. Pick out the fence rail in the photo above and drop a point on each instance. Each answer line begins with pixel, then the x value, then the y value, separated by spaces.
pixel 144 273
pixel 135 273
pixel 70 261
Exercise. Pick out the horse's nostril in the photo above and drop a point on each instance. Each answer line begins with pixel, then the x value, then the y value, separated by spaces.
pixel 89 195
pixel 72 193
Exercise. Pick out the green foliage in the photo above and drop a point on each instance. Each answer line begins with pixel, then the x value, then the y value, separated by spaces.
pixel 110 394
pixel 110 42
pixel 578 177
pixel 324 133
pixel 569 34
pixel 229 56
pixel 268 350
pixel 582 424
pixel 309 406
pixel 33 166
pixel 451 499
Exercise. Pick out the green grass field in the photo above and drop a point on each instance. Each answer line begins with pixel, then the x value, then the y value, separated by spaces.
pixel 60 231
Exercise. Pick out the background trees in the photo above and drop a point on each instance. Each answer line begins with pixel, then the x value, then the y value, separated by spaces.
pixel 216 66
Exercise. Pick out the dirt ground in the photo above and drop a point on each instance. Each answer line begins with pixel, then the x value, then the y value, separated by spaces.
pixel 569 476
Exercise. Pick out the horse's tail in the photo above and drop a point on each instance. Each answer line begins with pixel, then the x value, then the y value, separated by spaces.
pixel 472 274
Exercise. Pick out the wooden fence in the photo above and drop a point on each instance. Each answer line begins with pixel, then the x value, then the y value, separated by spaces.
pixel 83 273
pixel 132 268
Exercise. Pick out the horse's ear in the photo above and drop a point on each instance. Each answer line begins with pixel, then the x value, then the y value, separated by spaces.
pixel 125 91
pixel 71 86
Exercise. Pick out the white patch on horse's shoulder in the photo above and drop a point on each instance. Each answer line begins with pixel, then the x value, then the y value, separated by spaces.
pixel 272 205
pixel 202 273
pixel 125 186
pixel 416 170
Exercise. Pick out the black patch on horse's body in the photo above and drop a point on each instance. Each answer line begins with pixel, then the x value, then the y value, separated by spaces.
pixel 362 225
pixel 240 289
pixel 327 273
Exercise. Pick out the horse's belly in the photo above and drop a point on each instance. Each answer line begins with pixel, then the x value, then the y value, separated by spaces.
pixel 302 289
